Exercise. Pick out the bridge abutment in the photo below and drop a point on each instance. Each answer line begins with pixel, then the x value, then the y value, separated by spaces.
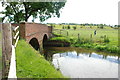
pixel 29 31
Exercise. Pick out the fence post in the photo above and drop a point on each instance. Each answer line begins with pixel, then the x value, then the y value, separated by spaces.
pixel 60 32
pixel 6 48
pixel 91 36
pixel 104 36
pixel 67 33
pixel 78 36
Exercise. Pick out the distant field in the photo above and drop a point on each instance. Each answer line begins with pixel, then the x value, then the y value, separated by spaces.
pixel 86 32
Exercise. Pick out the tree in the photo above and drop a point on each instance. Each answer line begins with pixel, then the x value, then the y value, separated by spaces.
pixel 68 27
pixel 101 26
pixel 21 11
pixel 74 27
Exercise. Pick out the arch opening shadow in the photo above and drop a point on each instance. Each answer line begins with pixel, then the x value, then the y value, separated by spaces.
pixel 34 43
pixel 45 39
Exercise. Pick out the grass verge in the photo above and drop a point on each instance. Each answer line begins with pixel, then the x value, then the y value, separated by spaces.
pixel 30 64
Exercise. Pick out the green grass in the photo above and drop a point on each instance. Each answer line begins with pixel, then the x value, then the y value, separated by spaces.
pixel 30 64
pixel 110 43
pixel 60 39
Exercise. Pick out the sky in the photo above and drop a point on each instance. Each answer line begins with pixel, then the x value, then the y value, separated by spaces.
pixel 86 11
pixel 89 11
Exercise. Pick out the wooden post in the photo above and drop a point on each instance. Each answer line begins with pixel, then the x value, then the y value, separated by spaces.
pixel 104 36
pixel 6 48
pixel 60 32
pixel 67 33
pixel 78 36
pixel 91 36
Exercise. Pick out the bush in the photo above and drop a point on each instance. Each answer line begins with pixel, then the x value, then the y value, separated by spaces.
pixel 60 39
pixel 106 40
pixel 100 47
pixel 72 40
pixel 87 45
pixel 57 35
pixel 68 27
pixel 113 49
pixel 63 27
pixel 74 27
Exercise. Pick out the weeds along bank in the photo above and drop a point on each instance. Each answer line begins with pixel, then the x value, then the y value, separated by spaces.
pixel 105 39
pixel 30 64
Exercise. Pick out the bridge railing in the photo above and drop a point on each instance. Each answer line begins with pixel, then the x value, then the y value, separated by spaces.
pixel 15 36
pixel 10 37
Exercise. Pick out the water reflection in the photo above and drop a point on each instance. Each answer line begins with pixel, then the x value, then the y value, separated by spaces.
pixel 80 63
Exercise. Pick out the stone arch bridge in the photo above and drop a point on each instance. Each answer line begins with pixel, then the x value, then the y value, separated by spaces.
pixel 35 34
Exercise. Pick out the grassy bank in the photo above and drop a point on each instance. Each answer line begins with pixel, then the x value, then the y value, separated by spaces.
pixel 85 43
pixel 30 64
pixel 106 39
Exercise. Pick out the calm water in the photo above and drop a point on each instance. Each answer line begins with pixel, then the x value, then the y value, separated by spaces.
pixel 82 63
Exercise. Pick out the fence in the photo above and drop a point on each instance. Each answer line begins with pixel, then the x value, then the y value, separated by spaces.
pixel 10 37
pixel 92 37
pixel 65 32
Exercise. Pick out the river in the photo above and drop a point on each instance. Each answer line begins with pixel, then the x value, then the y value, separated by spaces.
pixel 83 63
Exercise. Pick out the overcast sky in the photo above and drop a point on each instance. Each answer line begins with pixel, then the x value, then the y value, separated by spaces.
pixel 89 11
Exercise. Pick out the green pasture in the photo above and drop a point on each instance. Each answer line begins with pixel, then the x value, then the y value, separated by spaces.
pixel 88 33
pixel 106 38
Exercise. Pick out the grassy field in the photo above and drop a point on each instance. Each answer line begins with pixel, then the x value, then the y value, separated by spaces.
pixel 106 37
pixel 30 64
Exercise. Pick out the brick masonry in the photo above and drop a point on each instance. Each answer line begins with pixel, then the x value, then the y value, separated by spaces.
pixel 35 30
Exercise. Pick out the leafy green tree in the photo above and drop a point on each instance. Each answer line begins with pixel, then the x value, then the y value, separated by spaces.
pixel 74 27
pixel 21 11
pixel 101 26
pixel 68 27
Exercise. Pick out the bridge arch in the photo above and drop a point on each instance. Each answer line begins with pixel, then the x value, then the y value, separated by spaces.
pixel 45 39
pixel 34 43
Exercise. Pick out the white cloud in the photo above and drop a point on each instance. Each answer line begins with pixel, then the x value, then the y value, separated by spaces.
pixel 89 11
pixel 86 11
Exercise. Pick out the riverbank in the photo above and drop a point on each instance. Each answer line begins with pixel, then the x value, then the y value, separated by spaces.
pixel 77 62
pixel 30 64
pixel 105 39
pixel 86 43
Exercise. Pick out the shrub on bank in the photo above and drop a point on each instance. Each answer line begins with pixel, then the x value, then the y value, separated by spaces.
pixel 87 43
pixel 59 39
pixel 57 35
